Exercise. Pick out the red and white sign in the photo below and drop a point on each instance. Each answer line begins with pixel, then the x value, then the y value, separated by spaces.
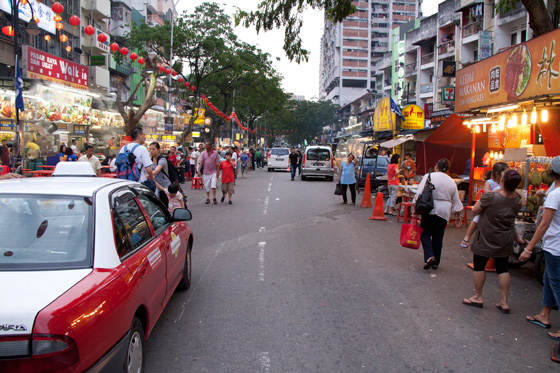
pixel 37 64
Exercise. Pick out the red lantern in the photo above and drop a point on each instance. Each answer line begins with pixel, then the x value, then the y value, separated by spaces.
pixel 187 84
pixel 161 68
pixel 202 97
pixel 133 56
pixel 58 8
pixel 8 30
pixel 68 49
pixel 102 38
pixel 63 38
pixel 193 88
pixel 168 71
pixel 141 61
pixel 57 18
pixel 74 21
pixel 47 38
pixel 89 30
pixel 180 79
pixel 174 73
pixel 124 51
pixel 59 26
pixel 114 47
pixel 205 101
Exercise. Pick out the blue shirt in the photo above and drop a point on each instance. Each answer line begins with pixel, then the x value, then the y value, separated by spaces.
pixel 244 159
pixel 71 158
pixel 347 173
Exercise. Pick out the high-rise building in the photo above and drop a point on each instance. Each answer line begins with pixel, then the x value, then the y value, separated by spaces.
pixel 349 50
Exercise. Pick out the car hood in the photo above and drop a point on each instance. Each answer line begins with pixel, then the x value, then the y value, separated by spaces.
pixel 26 293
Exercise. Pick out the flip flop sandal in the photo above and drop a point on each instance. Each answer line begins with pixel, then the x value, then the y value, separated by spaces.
pixel 553 337
pixel 215 201
pixel 503 310
pixel 470 303
pixel 207 201
pixel 465 244
pixel 532 320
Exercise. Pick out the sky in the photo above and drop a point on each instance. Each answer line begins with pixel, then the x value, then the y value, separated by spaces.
pixel 299 79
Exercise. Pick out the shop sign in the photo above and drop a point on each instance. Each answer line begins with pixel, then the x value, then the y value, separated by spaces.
pixel 447 95
pixel 125 140
pixel 528 70
pixel 7 125
pixel 37 64
pixel 438 117
pixel 383 118
pixel 413 118
pixel 168 138
pixel 428 108
pixel 97 60
pixel 195 134
pixel 509 137
pixel 152 138
pixel 168 125
pixel 80 130
pixel 41 11
pixel 199 114
pixel 449 69
pixel 485 45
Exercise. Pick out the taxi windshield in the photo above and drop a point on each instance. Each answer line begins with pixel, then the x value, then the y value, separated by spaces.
pixel 41 233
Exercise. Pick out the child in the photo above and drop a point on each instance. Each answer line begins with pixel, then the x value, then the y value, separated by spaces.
pixel 173 195
pixel 228 177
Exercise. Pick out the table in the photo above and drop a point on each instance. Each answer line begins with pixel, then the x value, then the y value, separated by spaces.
pixel 47 167
pixel 41 173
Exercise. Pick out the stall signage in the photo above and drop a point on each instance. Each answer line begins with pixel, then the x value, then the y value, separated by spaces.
pixel 7 126
pixel 168 125
pixel 447 95
pixel 199 114
pixel 80 130
pixel 37 64
pixel 195 134
pixel 168 138
pixel 383 118
pixel 41 11
pixel 527 70
pixel 438 117
pixel 97 60
pixel 485 45
pixel 151 138
pixel 449 69
pixel 413 118
pixel 509 138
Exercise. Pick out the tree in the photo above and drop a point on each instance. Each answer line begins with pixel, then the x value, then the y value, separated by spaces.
pixel 273 14
pixel 541 20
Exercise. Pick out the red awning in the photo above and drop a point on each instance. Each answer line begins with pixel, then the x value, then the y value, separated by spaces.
pixel 452 132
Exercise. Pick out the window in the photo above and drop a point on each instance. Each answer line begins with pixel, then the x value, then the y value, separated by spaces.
pixel 155 212
pixel 513 39
pixel 131 229
pixel 279 152
pixel 523 36
pixel 318 155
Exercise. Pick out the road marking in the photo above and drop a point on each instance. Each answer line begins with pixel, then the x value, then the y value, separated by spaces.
pixel 265 206
pixel 269 187
pixel 278 199
pixel 264 359
pixel 261 229
pixel 272 177
pixel 261 261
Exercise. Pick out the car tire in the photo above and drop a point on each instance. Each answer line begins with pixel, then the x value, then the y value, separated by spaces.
pixel 303 178
pixel 134 361
pixel 185 282
pixel 330 178
pixel 269 169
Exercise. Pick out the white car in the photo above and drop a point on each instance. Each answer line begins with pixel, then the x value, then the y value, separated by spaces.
pixel 278 159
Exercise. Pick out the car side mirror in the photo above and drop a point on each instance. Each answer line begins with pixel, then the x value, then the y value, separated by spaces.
pixel 182 215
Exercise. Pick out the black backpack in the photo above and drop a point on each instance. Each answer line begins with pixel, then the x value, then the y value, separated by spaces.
pixel 425 202
pixel 173 175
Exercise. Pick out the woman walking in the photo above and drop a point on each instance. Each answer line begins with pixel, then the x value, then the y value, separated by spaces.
pixel 348 178
pixel 496 233
pixel 549 231
pixel 161 172
pixel 393 183
pixel 446 200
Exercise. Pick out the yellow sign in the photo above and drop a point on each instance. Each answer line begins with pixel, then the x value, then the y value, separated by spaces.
pixel 413 118
pixel 199 114
pixel 237 136
pixel 383 118
pixel 168 138
pixel 187 118
pixel 195 134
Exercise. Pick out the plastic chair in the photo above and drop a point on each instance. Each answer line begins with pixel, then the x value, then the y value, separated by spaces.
pixel 196 183
pixel 406 210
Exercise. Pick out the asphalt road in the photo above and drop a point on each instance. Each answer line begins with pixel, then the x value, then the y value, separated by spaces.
pixel 288 280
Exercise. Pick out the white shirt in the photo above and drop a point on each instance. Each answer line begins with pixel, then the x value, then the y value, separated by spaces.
pixel 552 236
pixel 143 158
pixel 74 149
pixel 446 196
pixel 93 161
pixel 112 166
pixel 234 157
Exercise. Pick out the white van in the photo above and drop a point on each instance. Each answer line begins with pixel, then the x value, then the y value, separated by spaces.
pixel 318 161
pixel 278 159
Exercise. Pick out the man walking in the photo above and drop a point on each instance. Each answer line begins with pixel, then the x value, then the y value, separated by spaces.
pixel 92 159
pixel 143 159
pixel 259 156
pixel 209 161
pixel 294 161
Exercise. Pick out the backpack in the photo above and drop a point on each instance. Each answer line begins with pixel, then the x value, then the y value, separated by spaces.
pixel 127 168
pixel 173 172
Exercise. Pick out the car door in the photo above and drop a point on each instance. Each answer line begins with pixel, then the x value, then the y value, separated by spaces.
pixel 140 250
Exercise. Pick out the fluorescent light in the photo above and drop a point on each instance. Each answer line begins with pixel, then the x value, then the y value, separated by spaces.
pixel 502 108
pixel 544 115
pixel 481 119
pixel 81 92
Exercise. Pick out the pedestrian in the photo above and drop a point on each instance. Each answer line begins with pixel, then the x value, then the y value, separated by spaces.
pixel 69 156
pixel 112 163
pixel 388 154
pixel 192 161
pixel 62 153
pixel 408 167
pixel 174 196
pixel 253 159
pixel 209 162
pixel 234 158
pixel 92 159
pixel 74 147
pixel 549 231
pixel 294 161
pixel 172 157
pixel 143 159
pixel 160 170
pixel 393 184
pixel 300 161
pixel 433 223
pixel 228 178
pixel 259 155
pixel 181 161
pixel 244 159
pixel 496 233
pixel 347 178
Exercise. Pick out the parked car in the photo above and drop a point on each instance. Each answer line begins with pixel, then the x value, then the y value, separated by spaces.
pixel 376 167
pixel 87 266
pixel 278 159
pixel 318 161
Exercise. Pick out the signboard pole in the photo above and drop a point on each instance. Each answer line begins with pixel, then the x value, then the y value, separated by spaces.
pixel 15 18
pixel 471 171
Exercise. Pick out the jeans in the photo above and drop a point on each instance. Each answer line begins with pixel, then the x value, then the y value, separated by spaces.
pixel 393 194
pixel 433 229
pixel 352 192
pixel 181 174
pixel 299 169
pixel 293 170
pixel 551 280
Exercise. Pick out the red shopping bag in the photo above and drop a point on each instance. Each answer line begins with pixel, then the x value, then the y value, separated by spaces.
pixel 410 235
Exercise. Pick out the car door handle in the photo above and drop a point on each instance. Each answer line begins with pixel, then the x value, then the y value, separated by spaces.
pixel 143 269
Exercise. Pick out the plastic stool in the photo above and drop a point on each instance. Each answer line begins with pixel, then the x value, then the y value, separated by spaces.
pixel 196 183
pixel 406 208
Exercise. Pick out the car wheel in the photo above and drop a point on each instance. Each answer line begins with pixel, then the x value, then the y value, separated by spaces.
pixel 185 282
pixel 303 178
pixel 134 361
pixel 330 178
pixel 269 169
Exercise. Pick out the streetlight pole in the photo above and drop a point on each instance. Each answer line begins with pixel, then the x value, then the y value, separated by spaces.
pixel 171 60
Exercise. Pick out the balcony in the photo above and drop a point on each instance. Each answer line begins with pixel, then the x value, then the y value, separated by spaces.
pixel 427 88
pixel 427 58
pixel 155 19
pixel 99 76
pixel 410 69
pixel 472 29
pixel 91 42
pixel 446 47
pixel 101 8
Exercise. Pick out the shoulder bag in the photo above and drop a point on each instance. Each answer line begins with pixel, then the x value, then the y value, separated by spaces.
pixel 338 189
pixel 425 201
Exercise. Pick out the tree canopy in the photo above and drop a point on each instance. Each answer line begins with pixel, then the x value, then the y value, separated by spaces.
pixel 541 20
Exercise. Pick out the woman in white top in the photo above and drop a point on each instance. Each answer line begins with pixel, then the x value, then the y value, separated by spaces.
pixel 446 200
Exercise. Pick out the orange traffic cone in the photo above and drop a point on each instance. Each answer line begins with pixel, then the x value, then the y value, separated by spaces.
pixel 490 266
pixel 378 210
pixel 366 199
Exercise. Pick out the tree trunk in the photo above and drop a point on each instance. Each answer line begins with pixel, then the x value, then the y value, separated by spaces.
pixel 539 17
pixel 132 117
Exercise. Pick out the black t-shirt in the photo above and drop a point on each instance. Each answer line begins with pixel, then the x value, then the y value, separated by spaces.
pixel 293 159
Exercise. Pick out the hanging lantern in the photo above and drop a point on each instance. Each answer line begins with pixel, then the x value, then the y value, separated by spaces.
pixel 202 97
pixel 8 30
pixel 193 88
pixel 63 38
pixel 124 51
pixel 114 47
pixel 544 115
pixel 534 115
pixel 47 38
pixel 205 101
pixel 141 61
pixel 102 38
pixel 133 56
pixel 57 18
pixel 68 48
pixel 161 69
pixel 58 8
pixel 89 30
pixel 524 118
pixel 174 73
pixel 167 71
pixel 187 84
pixel 74 21
pixel 59 26
pixel 180 79
pixel 36 19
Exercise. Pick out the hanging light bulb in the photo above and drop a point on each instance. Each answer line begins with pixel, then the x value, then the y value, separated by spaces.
pixel 502 122
pixel 477 129
pixel 68 48
pixel 514 120
pixel 501 155
pixel 544 115
pixel 534 115
pixel 493 127
pixel 47 37
pixel 510 123
pixel 524 118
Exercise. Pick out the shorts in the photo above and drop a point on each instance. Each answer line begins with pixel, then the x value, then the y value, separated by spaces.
pixel 228 188
pixel 244 169
pixel 209 182
pixel 393 193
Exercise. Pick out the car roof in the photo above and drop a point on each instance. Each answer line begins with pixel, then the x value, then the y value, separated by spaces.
pixel 69 186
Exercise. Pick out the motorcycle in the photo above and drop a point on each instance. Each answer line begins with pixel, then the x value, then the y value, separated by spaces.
pixel 537 257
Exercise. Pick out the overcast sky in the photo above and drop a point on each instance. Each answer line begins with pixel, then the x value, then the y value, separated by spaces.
pixel 300 79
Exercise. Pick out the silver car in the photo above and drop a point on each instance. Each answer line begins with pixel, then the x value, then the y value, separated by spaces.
pixel 318 161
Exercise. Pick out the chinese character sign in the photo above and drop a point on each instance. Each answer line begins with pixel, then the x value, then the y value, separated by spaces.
pixel 413 118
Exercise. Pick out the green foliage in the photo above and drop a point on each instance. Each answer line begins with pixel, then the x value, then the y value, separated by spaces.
pixel 273 14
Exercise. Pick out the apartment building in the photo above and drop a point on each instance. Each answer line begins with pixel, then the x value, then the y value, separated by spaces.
pixel 350 50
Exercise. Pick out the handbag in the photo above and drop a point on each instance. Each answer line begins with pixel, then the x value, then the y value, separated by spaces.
pixel 425 201
pixel 338 190
pixel 410 235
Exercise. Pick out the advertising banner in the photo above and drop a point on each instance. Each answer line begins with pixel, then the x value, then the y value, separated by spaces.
pixel 199 115
pixel 528 70
pixel 41 11
pixel 37 64
pixel 485 45
pixel 413 118
pixel 509 138
pixel 449 69
pixel 383 118
pixel 447 95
